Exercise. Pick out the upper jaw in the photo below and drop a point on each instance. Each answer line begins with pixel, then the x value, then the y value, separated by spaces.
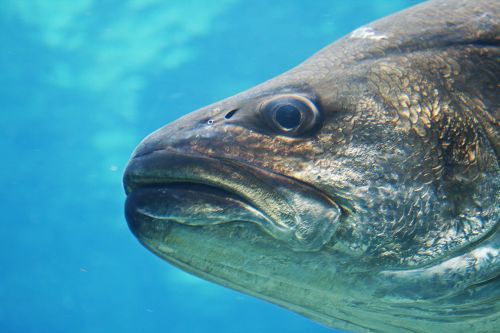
pixel 289 210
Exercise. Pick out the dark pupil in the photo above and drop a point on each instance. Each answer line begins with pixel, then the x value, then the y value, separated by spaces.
pixel 288 116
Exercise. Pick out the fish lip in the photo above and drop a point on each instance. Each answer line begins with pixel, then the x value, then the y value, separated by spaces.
pixel 279 198
pixel 158 176
pixel 136 178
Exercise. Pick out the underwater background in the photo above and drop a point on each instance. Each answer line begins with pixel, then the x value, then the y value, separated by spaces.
pixel 81 83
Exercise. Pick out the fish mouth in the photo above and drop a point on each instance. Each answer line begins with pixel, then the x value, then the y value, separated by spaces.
pixel 188 203
pixel 166 186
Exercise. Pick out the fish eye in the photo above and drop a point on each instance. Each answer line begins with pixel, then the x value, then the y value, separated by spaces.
pixel 290 115
pixel 287 116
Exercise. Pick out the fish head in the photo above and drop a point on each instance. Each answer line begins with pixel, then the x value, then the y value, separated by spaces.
pixel 311 162
pixel 345 189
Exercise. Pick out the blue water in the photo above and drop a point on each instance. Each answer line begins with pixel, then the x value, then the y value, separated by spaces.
pixel 81 82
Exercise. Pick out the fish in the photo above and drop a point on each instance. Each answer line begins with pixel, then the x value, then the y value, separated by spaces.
pixel 359 189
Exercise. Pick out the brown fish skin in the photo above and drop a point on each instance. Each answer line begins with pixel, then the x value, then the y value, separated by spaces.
pixel 379 211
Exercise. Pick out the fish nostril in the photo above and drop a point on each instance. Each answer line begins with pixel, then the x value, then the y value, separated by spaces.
pixel 230 114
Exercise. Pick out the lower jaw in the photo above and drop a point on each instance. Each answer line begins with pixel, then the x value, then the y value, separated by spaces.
pixel 241 257
pixel 254 263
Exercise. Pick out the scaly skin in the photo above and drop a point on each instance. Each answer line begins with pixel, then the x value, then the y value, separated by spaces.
pixel 383 216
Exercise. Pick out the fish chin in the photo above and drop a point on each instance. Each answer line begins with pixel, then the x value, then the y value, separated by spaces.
pixel 256 264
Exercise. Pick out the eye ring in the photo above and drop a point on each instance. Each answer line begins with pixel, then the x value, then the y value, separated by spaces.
pixel 290 115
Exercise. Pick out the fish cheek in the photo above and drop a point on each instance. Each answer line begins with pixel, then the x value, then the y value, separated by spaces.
pixel 367 169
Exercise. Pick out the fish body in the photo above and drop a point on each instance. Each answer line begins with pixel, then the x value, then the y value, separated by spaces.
pixel 360 189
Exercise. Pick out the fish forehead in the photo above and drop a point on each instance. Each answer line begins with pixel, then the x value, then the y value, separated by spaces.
pixel 339 71
pixel 431 25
